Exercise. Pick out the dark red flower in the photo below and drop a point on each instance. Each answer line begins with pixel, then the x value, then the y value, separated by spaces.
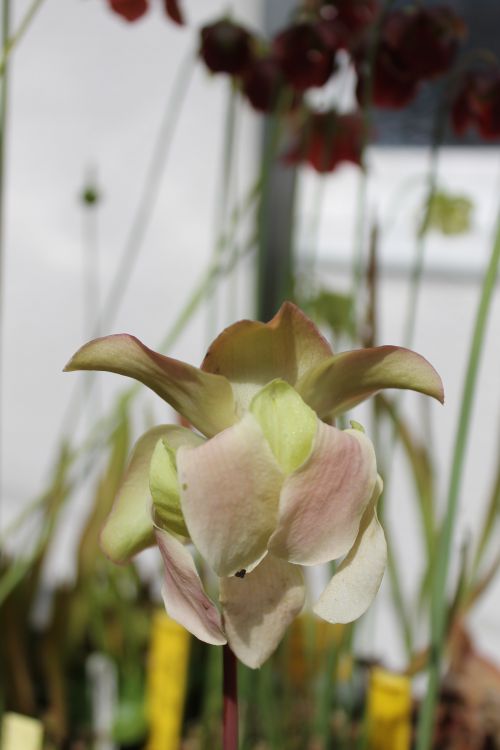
pixel 477 103
pixel 327 139
pixel 174 12
pixel 415 44
pixel 354 15
pixel 131 10
pixel 262 82
pixel 226 47
pixel 303 55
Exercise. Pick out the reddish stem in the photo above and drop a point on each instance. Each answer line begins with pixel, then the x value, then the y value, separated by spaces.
pixel 230 711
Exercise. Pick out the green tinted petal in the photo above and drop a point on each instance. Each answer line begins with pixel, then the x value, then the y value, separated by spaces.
pixel 164 483
pixel 288 424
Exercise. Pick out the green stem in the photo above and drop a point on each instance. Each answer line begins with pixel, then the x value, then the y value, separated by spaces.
pixel 3 125
pixel 439 599
pixel 9 42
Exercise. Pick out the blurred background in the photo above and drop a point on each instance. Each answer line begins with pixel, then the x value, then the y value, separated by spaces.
pixel 166 170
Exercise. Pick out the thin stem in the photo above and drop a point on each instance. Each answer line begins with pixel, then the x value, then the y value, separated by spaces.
pixel 3 125
pixel 439 600
pixel 9 42
pixel 230 692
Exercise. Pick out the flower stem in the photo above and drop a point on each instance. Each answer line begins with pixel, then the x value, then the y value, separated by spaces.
pixel 230 710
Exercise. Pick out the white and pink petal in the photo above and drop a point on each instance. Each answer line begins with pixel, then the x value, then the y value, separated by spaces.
pixel 229 496
pixel 321 504
pixel 258 608
pixel 184 597
pixel 357 580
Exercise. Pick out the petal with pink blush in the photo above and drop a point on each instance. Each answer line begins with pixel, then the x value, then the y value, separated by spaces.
pixel 229 496
pixel 357 580
pixel 183 593
pixel 204 399
pixel 258 608
pixel 321 504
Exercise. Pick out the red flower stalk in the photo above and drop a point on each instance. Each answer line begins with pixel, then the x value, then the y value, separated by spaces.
pixel 303 55
pixel 226 47
pixel 131 10
pixel 477 103
pixel 327 139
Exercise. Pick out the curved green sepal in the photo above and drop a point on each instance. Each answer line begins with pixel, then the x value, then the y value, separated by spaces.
pixel 347 379
pixel 288 424
pixel 129 527
pixel 164 483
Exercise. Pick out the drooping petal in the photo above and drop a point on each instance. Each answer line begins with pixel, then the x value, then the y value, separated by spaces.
pixel 250 354
pixel 174 11
pixel 229 496
pixel 129 526
pixel 205 400
pixel 322 503
pixel 163 480
pixel 343 381
pixel 183 593
pixel 357 580
pixel 258 608
pixel 288 424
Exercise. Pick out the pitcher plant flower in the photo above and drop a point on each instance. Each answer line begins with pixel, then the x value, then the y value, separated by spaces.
pixel 266 484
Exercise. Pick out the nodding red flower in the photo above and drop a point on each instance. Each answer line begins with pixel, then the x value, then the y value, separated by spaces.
pixel 353 15
pixel 327 139
pixel 262 83
pixel 226 47
pixel 304 56
pixel 174 12
pixel 131 10
pixel 477 103
pixel 415 44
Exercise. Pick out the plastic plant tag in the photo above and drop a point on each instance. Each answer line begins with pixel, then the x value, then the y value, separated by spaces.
pixel 21 732
pixel 389 711
pixel 167 677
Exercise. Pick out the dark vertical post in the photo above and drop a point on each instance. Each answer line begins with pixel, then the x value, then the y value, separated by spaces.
pixel 275 261
pixel 230 708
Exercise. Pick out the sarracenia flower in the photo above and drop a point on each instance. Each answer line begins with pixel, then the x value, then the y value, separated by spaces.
pixel 268 487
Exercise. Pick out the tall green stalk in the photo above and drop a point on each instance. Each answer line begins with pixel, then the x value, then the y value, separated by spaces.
pixel 10 42
pixel 439 604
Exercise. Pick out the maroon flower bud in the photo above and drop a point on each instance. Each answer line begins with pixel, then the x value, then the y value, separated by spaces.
pixel 303 55
pixel 226 47
pixel 131 10
pixel 477 103
pixel 262 82
pixel 327 139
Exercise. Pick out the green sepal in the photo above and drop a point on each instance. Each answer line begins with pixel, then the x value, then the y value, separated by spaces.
pixel 288 424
